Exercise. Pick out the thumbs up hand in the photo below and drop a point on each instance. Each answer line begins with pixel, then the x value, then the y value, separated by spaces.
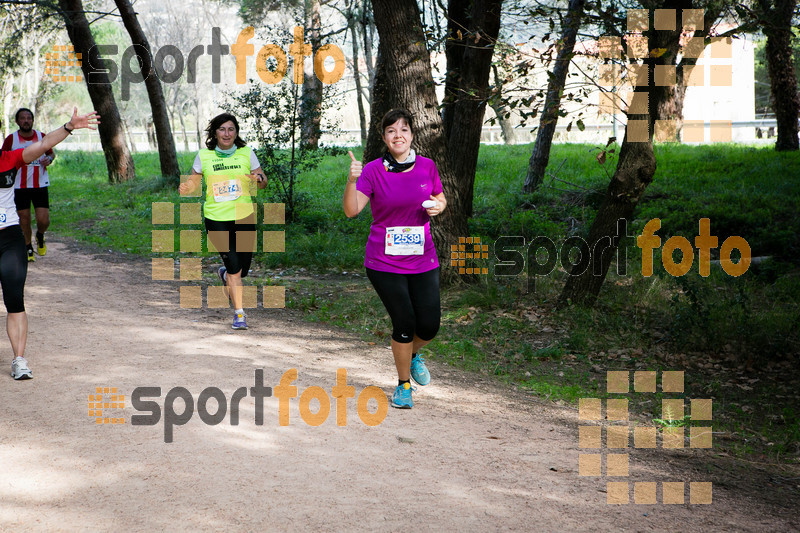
pixel 355 168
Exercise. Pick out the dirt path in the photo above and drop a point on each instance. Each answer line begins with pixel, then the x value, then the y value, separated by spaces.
pixel 471 455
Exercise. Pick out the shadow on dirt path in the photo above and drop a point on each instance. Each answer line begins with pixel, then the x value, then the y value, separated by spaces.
pixel 472 454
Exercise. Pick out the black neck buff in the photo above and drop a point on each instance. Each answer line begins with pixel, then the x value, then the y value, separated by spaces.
pixel 392 165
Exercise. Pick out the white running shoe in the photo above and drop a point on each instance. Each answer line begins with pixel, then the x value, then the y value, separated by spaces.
pixel 20 370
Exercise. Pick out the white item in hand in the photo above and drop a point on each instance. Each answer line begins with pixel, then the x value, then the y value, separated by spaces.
pixel 427 204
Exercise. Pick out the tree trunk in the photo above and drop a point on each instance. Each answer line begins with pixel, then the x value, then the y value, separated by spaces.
pixel 506 127
pixel 166 144
pixel 404 79
pixel 183 129
pixel 368 34
pixel 672 107
pixel 131 140
pixel 311 114
pixel 362 119
pixel 777 26
pixel 112 136
pixel 197 122
pixel 383 99
pixel 635 169
pixel 469 60
pixel 151 138
pixel 457 24
pixel 500 109
pixel 555 88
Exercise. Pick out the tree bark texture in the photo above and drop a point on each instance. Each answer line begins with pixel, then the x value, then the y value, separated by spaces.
pixel 473 28
pixel 112 135
pixel 312 86
pixel 506 126
pixel 384 97
pixel 404 79
pixel 362 118
pixel 777 26
pixel 166 143
pixel 635 168
pixel 555 88
pixel 368 34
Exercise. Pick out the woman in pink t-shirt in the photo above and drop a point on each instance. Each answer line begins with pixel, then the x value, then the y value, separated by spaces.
pixel 404 191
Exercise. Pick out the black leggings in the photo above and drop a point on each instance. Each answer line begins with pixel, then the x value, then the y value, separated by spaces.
pixel 13 268
pixel 236 258
pixel 412 301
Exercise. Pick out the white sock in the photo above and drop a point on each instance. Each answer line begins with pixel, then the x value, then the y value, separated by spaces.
pixel 238 311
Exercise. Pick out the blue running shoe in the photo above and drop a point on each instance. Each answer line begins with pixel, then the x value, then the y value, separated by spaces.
pixel 239 321
pixel 402 397
pixel 419 372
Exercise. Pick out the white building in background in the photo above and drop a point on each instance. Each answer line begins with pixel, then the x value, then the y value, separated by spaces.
pixel 722 99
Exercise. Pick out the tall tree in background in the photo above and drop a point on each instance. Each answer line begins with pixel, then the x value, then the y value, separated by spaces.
pixel 555 88
pixel 636 165
pixel 112 135
pixel 254 12
pixel 775 18
pixel 312 85
pixel 500 108
pixel 166 143
pixel 367 25
pixel 384 97
pixel 672 107
pixel 472 30
pixel 353 16
pixel 404 79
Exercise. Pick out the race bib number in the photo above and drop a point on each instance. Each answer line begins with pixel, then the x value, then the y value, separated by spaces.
pixel 405 240
pixel 227 191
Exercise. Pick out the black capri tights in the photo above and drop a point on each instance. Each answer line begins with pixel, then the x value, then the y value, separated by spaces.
pixel 13 268
pixel 236 240
pixel 412 301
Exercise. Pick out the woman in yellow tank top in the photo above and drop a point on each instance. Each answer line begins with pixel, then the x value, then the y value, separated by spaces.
pixel 230 172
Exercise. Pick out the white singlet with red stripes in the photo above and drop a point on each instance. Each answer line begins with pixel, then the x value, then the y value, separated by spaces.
pixel 33 175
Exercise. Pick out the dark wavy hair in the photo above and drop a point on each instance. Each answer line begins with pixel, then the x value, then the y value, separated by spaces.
pixel 394 115
pixel 216 122
pixel 20 110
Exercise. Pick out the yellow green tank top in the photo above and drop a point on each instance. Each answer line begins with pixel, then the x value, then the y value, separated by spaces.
pixel 229 191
